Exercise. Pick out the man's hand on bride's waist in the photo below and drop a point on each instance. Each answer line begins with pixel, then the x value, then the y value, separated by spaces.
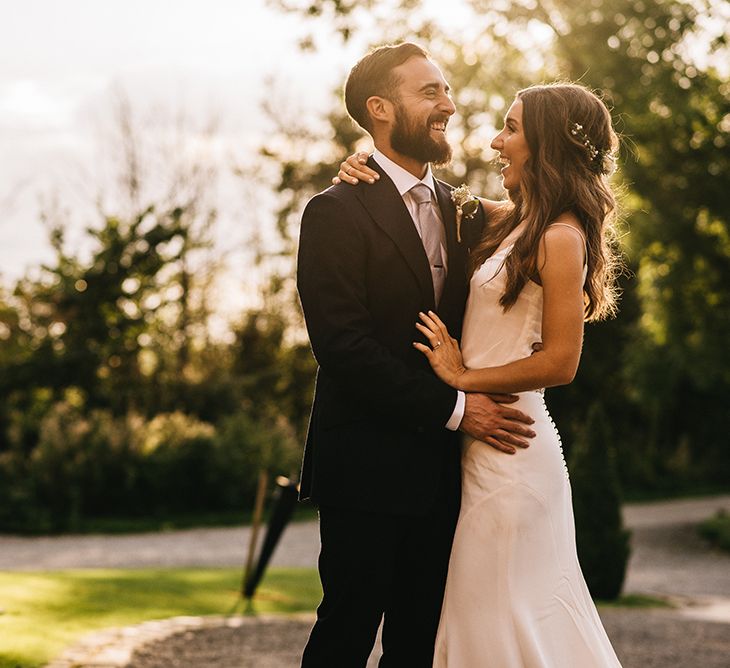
pixel 491 420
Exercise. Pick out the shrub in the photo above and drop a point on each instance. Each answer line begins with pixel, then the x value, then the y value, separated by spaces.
pixel 89 464
pixel 247 446
pixel 603 547
pixel 716 529
pixel 190 466
pixel 19 510
pixel 178 464
pixel 84 464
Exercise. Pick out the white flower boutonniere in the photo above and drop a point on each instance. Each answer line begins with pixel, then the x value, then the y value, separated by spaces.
pixel 466 206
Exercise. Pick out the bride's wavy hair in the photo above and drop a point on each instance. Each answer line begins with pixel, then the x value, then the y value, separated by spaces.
pixel 563 174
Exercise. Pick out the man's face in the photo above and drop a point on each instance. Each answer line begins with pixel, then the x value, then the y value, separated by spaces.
pixel 422 111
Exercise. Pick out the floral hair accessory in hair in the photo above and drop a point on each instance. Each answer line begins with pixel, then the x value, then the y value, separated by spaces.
pixel 466 206
pixel 601 160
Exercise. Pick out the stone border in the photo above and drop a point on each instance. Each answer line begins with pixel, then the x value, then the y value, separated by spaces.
pixel 114 648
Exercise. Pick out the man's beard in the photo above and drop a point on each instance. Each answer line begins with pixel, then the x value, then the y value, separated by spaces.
pixel 416 141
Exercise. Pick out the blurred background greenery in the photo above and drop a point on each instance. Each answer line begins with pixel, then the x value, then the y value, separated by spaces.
pixel 119 400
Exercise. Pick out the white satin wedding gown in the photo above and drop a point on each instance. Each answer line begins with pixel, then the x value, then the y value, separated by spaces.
pixel 515 595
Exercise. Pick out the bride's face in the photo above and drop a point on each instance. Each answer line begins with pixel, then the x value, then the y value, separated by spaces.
pixel 512 146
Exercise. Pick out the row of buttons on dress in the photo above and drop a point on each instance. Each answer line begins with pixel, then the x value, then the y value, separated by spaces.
pixel 557 433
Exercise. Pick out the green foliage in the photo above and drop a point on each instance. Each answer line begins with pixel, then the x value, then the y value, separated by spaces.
pixel 179 472
pixel 264 364
pixel 244 447
pixel 83 324
pixel 675 115
pixel 603 545
pixel 90 464
pixel 636 601
pixel 83 464
pixel 114 399
pixel 717 530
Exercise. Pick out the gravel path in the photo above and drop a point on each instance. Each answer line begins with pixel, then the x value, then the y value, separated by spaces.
pixel 190 547
pixel 641 639
pixel 668 559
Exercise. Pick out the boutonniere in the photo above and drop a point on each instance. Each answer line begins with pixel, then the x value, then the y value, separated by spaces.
pixel 466 206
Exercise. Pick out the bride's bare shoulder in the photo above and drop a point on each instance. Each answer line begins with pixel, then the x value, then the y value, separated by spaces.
pixel 566 220
pixel 566 237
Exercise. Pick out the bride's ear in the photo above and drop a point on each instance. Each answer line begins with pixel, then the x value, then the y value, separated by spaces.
pixel 380 109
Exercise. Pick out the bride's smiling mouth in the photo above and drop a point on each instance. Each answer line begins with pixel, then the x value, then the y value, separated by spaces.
pixel 504 161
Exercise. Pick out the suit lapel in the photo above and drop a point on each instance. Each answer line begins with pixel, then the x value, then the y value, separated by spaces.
pixel 448 215
pixel 387 209
pixel 457 252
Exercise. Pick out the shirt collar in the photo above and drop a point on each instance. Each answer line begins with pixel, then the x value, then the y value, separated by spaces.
pixel 402 178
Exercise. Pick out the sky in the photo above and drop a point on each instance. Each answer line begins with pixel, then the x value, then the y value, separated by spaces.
pixel 62 63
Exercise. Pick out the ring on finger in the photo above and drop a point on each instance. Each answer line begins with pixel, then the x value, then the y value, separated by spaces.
pixel 436 345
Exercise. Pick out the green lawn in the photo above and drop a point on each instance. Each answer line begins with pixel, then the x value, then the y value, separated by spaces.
pixel 636 601
pixel 42 613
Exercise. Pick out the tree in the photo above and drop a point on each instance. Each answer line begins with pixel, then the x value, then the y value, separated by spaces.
pixel 603 544
pixel 98 348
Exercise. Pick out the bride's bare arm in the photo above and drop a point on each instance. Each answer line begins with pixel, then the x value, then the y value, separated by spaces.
pixel 561 273
pixel 491 205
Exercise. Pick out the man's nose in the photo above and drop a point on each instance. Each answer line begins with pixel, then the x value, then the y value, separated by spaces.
pixel 447 104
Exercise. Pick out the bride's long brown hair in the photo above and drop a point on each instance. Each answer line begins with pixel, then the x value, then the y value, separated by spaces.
pixel 561 175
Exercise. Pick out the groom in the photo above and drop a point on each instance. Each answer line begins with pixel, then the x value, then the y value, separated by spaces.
pixel 382 453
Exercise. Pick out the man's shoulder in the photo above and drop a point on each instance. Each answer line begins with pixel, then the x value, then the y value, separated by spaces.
pixel 337 206
pixel 342 192
pixel 341 197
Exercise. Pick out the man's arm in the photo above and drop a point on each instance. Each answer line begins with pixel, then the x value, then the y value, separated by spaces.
pixel 331 281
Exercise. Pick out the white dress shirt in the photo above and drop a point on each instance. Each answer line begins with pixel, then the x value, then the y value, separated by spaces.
pixel 404 181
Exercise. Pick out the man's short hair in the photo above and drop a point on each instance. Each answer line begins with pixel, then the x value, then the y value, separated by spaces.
pixel 373 75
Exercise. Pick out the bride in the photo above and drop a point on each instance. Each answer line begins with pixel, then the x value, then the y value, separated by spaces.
pixel 515 595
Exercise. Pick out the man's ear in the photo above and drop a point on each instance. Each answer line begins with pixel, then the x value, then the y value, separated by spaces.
pixel 380 109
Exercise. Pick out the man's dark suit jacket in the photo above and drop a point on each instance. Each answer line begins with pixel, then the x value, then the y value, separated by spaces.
pixel 377 439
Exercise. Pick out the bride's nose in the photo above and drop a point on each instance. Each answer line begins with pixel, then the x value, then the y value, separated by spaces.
pixel 497 142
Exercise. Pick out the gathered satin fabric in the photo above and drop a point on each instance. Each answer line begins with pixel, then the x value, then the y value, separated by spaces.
pixel 515 595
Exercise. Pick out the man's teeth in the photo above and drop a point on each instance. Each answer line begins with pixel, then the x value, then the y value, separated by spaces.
pixel 439 126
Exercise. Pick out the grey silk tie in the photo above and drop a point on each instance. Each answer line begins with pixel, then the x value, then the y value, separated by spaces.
pixel 433 236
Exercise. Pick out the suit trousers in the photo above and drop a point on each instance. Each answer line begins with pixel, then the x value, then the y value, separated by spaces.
pixel 377 567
